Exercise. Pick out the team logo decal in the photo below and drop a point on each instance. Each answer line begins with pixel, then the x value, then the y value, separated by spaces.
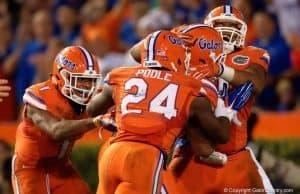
pixel 175 40
pixel 64 61
pixel 240 60
pixel 209 44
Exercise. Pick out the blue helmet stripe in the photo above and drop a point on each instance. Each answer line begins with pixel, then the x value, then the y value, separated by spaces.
pixel 227 9
pixel 88 58
pixel 93 62
pixel 151 45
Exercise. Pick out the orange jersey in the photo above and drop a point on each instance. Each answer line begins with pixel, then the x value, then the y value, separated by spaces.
pixel 32 143
pixel 151 105
pixel 241 60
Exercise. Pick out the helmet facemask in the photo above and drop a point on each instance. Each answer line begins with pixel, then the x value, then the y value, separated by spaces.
pixel 187 61
pixel 80 87
pixel 232 30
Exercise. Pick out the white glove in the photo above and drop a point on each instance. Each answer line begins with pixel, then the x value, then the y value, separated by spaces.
pixel 215 158
pixel 223 111
pixel 108 123
pixel 225 72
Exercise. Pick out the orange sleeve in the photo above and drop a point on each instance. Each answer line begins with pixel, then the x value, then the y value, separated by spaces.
pixel 210 91
pixel 33 97
pixel 112 77
pixel 260 57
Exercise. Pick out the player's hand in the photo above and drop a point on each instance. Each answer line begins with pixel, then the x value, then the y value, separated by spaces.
pixel 207 69
pixel 203 70
pixel 4 89
pixel 181 156
pixel 240 95
pixel 188 40
pixel 182 148
pixel 238 98
pixel 105 122
pixel 215 159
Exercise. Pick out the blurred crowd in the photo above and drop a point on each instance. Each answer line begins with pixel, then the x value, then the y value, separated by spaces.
pixel 33 31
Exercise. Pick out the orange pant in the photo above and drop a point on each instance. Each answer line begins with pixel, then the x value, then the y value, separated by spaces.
pixel 241 172
pixel 130 167
pixel 104 146
pixel 51 178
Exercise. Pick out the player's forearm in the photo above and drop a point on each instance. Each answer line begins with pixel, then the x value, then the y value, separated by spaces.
pixel 218 130
pixel 199 143
pixel 135 52
pixel 254 73
pixel 100 103
pixel 241 77
pixel 70 128
pixel 97 108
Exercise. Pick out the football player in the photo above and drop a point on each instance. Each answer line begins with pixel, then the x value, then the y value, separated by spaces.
pixel 242 63
pixel 54 117
pixel 206 48
pixel 154 101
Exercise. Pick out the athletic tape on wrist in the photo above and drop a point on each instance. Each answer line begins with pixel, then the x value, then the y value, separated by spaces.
pixel 228 73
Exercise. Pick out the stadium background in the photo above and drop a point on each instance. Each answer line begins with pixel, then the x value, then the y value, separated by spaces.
pixel 33 31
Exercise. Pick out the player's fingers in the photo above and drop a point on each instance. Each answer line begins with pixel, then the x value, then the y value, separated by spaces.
pixel 3 81
pixel 5 88
pixel 4 94
pixel 1 99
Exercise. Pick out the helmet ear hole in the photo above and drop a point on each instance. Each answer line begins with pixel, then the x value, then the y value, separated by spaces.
pixel 179 62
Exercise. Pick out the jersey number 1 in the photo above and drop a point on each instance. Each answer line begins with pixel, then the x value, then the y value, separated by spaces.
pixel 164 102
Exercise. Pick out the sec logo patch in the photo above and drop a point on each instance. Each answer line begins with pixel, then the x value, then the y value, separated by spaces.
pixel 240 60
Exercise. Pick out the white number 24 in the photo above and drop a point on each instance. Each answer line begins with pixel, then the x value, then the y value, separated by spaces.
pixel 164 102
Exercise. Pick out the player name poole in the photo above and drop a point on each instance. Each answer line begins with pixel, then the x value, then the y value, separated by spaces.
pixel 152 73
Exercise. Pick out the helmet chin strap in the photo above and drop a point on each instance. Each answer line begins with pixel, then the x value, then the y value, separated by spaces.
pixel 79 100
